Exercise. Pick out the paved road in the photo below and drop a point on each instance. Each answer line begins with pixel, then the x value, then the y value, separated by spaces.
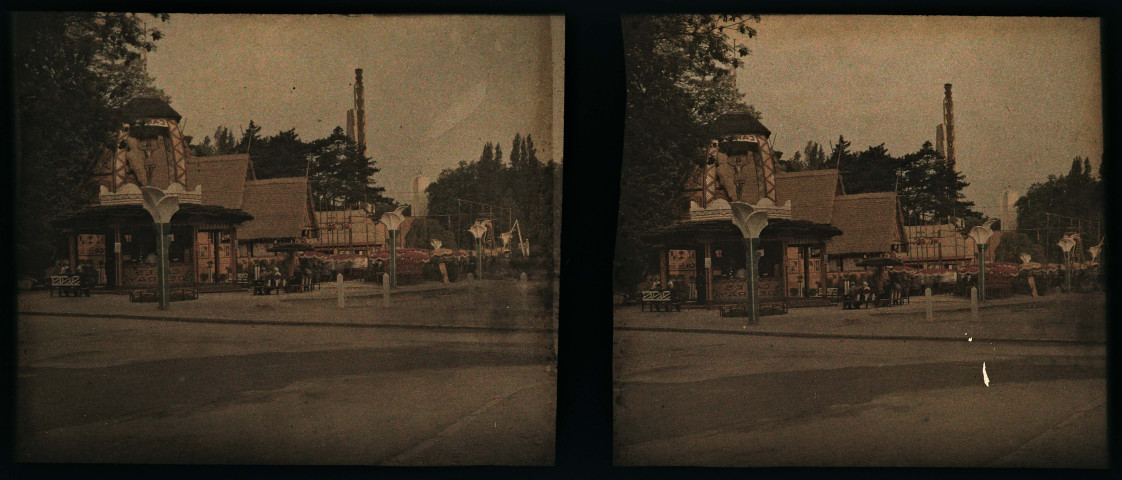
pixel 127 390
pixel 734 400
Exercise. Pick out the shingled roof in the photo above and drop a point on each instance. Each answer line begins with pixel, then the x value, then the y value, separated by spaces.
pixel 869 223
pixel 222 178
pixel 279 207
pixel 149 107
pixel 811 193
pixel 738 122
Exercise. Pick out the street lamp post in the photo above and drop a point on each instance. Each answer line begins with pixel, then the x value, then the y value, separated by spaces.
pixel 750 222
pixel 392 221
pixel 162 207
pixel 478 230
pixel 1066 244
pixel 981 235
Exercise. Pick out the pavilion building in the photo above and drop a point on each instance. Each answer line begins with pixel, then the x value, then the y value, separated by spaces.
pixel 815 232
pixel 221 207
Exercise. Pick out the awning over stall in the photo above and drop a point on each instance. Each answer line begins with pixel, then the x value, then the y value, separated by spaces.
pixel 98 216
pixel 691 231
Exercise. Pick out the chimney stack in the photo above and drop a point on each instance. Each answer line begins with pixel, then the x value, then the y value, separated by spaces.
pixel 939 140
pixel 351 124
pixel 359 113
pixel 948 120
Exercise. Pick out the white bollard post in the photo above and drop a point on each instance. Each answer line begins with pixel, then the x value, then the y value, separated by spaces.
pixel 524 290
pixel 385 290
pixel 930 301
pixel 974 304
pixel 339 284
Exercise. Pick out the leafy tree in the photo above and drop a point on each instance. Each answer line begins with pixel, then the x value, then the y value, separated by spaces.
pixel 251 138
pixel 1013 244
pixel 526 186
pixel 839 152
pixel 72 73
pixel 930 188
pixel 1069 199
pixel 871 170
pixel 677 75
pixel 281 155
pixel 811 158
pixel 423 230
pixel 224 141
pixel 204 149
pixel 815 157
pixel 340 172
pixel 794 164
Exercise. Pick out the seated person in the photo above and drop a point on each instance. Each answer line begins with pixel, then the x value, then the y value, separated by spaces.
pixel 866 294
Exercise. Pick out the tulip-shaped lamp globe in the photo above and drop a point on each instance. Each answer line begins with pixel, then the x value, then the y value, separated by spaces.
pixel 162 207
pixel 1066 244
pixel 392 221
pixel 478 230
pixel 750 222
pixel 1096 250
pixel 981 235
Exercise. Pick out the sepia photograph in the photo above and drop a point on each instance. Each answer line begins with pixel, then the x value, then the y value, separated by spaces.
pixel 287 239
pixel 861 241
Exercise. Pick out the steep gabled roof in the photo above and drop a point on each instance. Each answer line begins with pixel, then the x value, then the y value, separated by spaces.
pixel 869 222
pixel 811 193
pixel 222 178
pixel 279 207
pixel 148 107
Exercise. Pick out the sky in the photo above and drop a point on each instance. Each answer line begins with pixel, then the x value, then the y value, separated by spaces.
pixel 436 87
pixel 1027 91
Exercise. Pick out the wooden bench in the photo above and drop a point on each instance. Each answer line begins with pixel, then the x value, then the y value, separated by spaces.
pixel 176 293
pixel 659 300
pixel 731 297
pixel 854 301
pixel 68 286
pixel 304 285
pixel 833 294
pixel 884 300
pixel 266 287
pixel 768 306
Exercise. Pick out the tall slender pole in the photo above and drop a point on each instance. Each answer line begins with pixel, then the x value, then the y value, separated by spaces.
pixel 393 258
pixel 1067 270
pixel 753 280
pixel 162 272
pixel 479 265
pixel 981 272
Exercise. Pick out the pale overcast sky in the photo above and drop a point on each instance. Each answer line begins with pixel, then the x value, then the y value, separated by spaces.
pixel 1027 91
pixel 436 87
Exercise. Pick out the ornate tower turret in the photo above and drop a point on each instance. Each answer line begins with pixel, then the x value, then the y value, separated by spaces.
pixel 151 150
pixel 739 166
pixel 744 163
